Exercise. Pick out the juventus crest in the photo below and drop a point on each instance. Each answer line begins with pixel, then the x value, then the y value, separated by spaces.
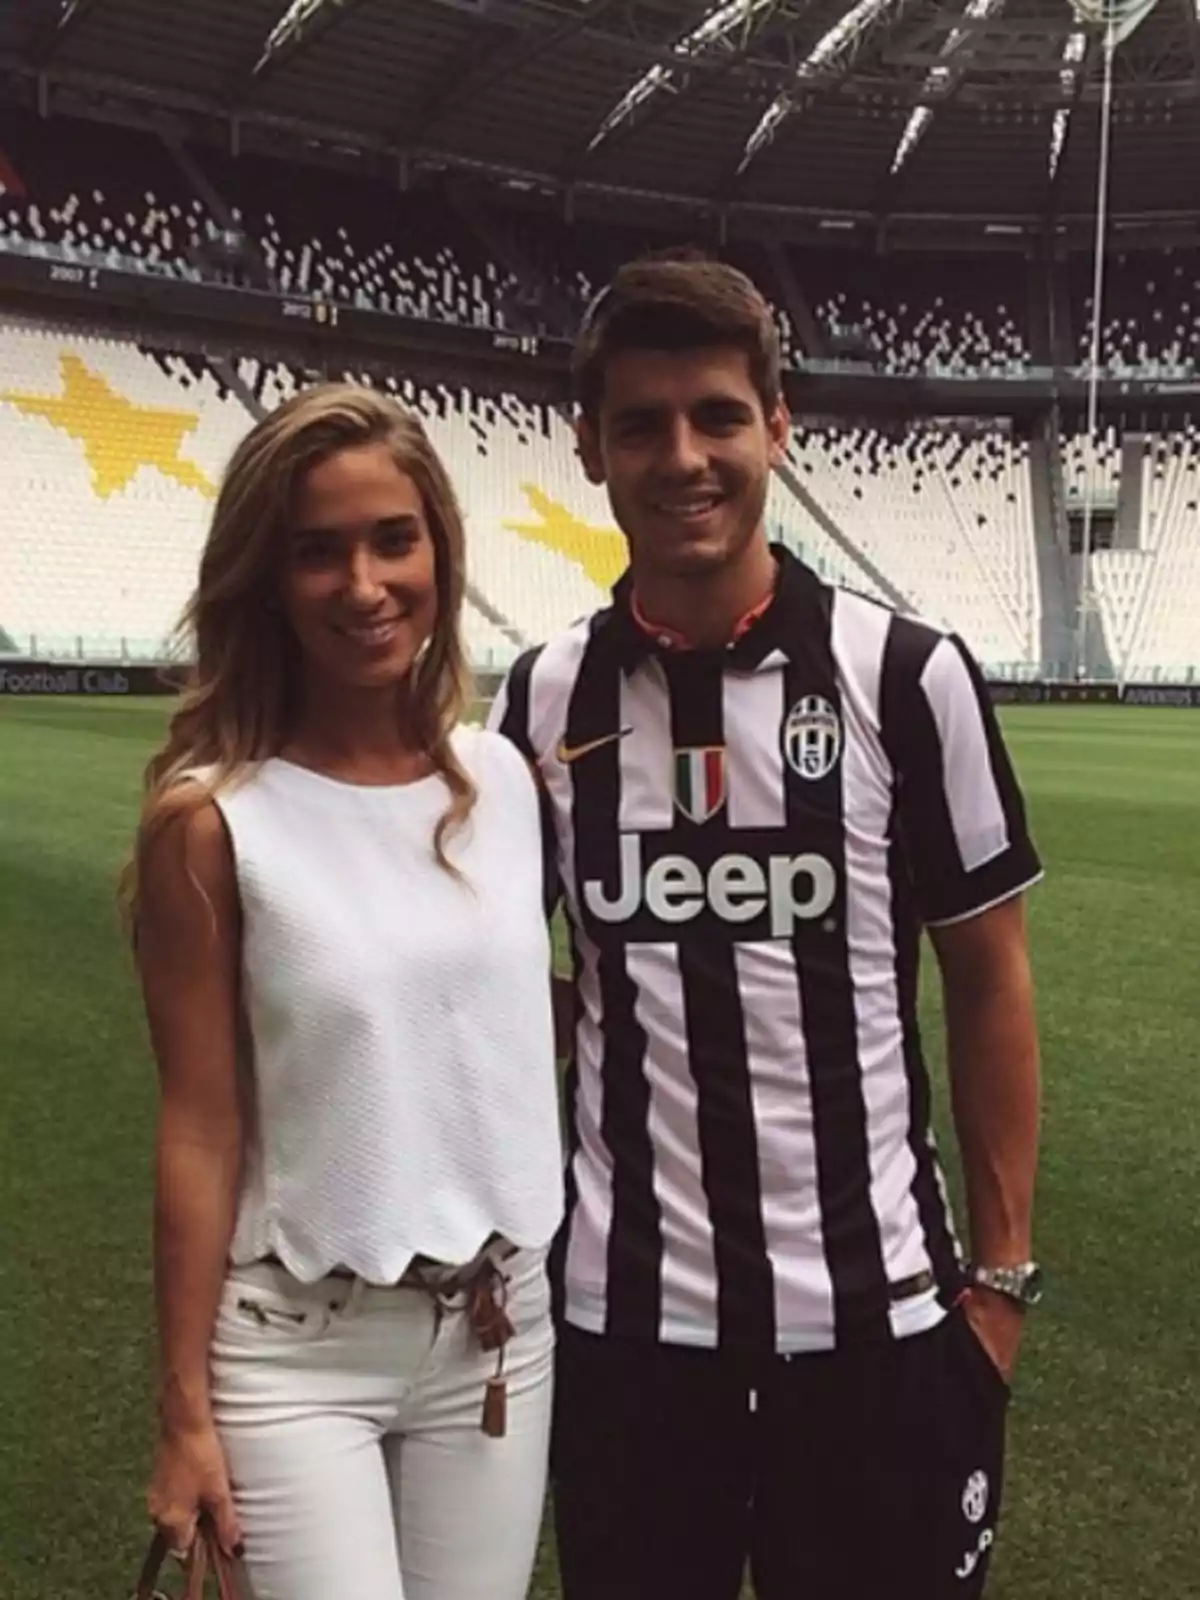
pixel 812 738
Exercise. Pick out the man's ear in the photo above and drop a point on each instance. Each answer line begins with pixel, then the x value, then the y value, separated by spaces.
pixel 588 442
pixel 779 428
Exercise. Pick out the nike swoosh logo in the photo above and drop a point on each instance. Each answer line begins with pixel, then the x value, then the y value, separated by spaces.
pixel 567 753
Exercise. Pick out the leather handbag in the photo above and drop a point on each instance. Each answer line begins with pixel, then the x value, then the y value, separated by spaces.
pixel 205 1559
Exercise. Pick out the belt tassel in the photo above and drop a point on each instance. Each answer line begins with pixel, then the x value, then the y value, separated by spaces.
pixel 488 1315
pixel 486 1303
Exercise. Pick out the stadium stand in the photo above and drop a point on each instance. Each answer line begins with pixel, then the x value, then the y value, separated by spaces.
pixel 965 315
pixel 104 192
pixel 114 194
pixel 108 464
pixel 577 260
pixel 340 237
pixel 1152 313
pixel 949 519
pixel 1150 596
pixel 1147 586
pixel 109 459
pixel 1092 466
pixel 99 193
pixel 110 453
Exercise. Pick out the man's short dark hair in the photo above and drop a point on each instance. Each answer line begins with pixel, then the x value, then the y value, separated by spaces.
pixel 676 300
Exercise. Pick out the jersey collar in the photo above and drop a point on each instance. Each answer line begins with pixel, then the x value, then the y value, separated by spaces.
pixel 770 628
pixel 670 639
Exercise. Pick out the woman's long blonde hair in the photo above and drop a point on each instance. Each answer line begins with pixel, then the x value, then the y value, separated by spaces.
pixel 242 694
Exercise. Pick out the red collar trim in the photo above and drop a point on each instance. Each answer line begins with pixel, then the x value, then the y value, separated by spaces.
pixel 671 638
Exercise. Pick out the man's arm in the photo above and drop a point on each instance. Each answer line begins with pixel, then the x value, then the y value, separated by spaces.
pixel 992 1051
pixel 970 857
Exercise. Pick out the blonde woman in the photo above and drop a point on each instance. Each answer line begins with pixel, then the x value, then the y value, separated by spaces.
pixel 340 936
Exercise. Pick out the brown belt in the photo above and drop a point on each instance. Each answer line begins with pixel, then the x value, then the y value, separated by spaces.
pixel 423 1270
pixel 483 1286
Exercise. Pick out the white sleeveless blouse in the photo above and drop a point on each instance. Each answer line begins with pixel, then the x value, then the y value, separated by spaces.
pixel 402 1075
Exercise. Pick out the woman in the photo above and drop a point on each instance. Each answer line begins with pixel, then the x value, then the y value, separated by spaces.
pixel 345 965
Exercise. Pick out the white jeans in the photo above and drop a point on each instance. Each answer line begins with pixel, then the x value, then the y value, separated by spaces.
pixel 351 1424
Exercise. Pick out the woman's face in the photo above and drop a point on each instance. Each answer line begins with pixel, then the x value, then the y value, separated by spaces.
pixel 358 576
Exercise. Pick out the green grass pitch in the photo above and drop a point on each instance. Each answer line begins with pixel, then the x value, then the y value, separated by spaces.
pixel 1103 1501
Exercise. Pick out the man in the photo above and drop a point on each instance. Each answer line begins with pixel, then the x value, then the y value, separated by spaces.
pixel 758 790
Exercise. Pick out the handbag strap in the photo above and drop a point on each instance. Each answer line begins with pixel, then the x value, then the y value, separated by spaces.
pixel 233 1582
pixel 197 1566
pixel 151 1567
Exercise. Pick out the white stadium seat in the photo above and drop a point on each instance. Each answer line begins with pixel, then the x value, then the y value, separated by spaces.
pixel 110 455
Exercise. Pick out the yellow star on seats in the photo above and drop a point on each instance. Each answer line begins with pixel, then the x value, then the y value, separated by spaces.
pixel 118 437
pixel 601 552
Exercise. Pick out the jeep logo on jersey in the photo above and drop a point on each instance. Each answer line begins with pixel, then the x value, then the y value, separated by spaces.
pixel 673 891
pixel 700 782
pixel 812 737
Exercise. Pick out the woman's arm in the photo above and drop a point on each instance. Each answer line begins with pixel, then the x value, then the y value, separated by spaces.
pixel 188 959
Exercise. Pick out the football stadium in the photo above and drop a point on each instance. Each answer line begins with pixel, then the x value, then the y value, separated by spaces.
pixel 976 222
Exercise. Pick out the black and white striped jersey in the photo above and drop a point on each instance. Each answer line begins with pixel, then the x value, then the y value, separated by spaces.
pixel 747 842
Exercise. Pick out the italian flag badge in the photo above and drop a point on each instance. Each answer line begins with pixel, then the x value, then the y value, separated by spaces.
pixel 700 782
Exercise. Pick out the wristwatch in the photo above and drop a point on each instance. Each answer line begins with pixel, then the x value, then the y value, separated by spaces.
pixel 1021 1283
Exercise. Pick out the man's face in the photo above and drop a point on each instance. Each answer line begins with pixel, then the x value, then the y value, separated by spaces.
pixel 685 450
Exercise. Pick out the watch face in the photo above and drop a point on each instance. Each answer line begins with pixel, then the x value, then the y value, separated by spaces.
pixel 1031 1291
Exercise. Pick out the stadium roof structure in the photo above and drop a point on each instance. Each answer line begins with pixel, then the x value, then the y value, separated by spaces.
pixel 843 112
